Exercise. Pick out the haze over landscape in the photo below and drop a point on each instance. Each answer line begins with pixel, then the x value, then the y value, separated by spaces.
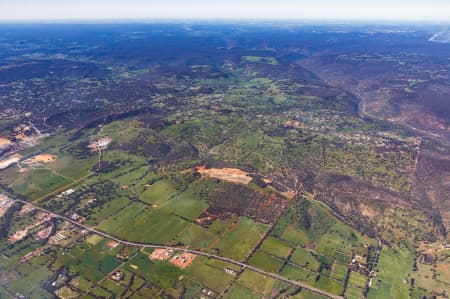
pixel 369 10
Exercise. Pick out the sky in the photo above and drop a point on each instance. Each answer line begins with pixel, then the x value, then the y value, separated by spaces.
pixel 392 10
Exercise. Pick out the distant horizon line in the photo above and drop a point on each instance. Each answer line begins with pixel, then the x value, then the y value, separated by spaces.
pixel 226 20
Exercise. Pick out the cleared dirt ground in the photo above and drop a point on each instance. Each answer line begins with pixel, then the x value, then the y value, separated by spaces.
pixel 233 175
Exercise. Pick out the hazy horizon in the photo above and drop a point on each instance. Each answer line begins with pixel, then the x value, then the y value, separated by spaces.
pixel 434 11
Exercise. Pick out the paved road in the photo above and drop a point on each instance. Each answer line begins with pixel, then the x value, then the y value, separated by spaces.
pixel 231 261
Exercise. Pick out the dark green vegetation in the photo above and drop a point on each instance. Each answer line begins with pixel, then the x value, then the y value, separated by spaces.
pixel 337 201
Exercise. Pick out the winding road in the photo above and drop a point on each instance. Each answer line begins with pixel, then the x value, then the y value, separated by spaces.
pixel 145 245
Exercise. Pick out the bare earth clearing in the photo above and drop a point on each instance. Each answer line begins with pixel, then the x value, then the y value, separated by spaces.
pixel 233 175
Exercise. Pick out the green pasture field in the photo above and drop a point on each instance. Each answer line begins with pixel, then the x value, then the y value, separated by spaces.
pixel 158 193
pixel 275 247
pixel 353 292
pixel 299 274
pixel 220 226
pixel 93 264
pixel 81 283
pixel 100 292
pixel 305 259
pixel 103 212
pixel 357 279
pixel 186 204
pixel 197 237
pixel 130 177
pixel 204 273
pixel 296 236
pixel 27 280
pixel 394 266
pixel 257 282
pixel 66 292
pixel 138 222
pixel 112 286
pixel 430 277
pixel 239 291
pixel 137 281
pixel 34 184
pixel 239 240
pixel 329 285
pixel 266 262
pixel 306 294
pixel 157 272
pixel 339 271
pixel 221 264
pixel 72 167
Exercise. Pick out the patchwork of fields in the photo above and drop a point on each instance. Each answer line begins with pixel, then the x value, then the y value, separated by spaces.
pixel 165 209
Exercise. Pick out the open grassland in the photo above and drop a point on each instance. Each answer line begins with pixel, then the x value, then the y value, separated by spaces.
pixel 208 274
pixel 430 277
pixel 26 280
pixel 356 279
pixel 329 285
pixel 158 193
pixel 260 284
pixel 352 292
pixel 237 242
pixel 305 294
pixel 355 285
pixel 34 184
pixel 158 272
pixel 198 237
pixel 293 235
pixel 305 259
pixel 299 274
pixel 275 247
pixel 394 268
pixel 239 291
pixel 100 213
pixel 81 283
pixel 140 223
pixel 64 166
pixel 187 204
pixel 266 262
pixel 112 287
pixel 339 270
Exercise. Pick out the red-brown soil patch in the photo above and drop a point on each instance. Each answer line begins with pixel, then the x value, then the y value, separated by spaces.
pixel 184 260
